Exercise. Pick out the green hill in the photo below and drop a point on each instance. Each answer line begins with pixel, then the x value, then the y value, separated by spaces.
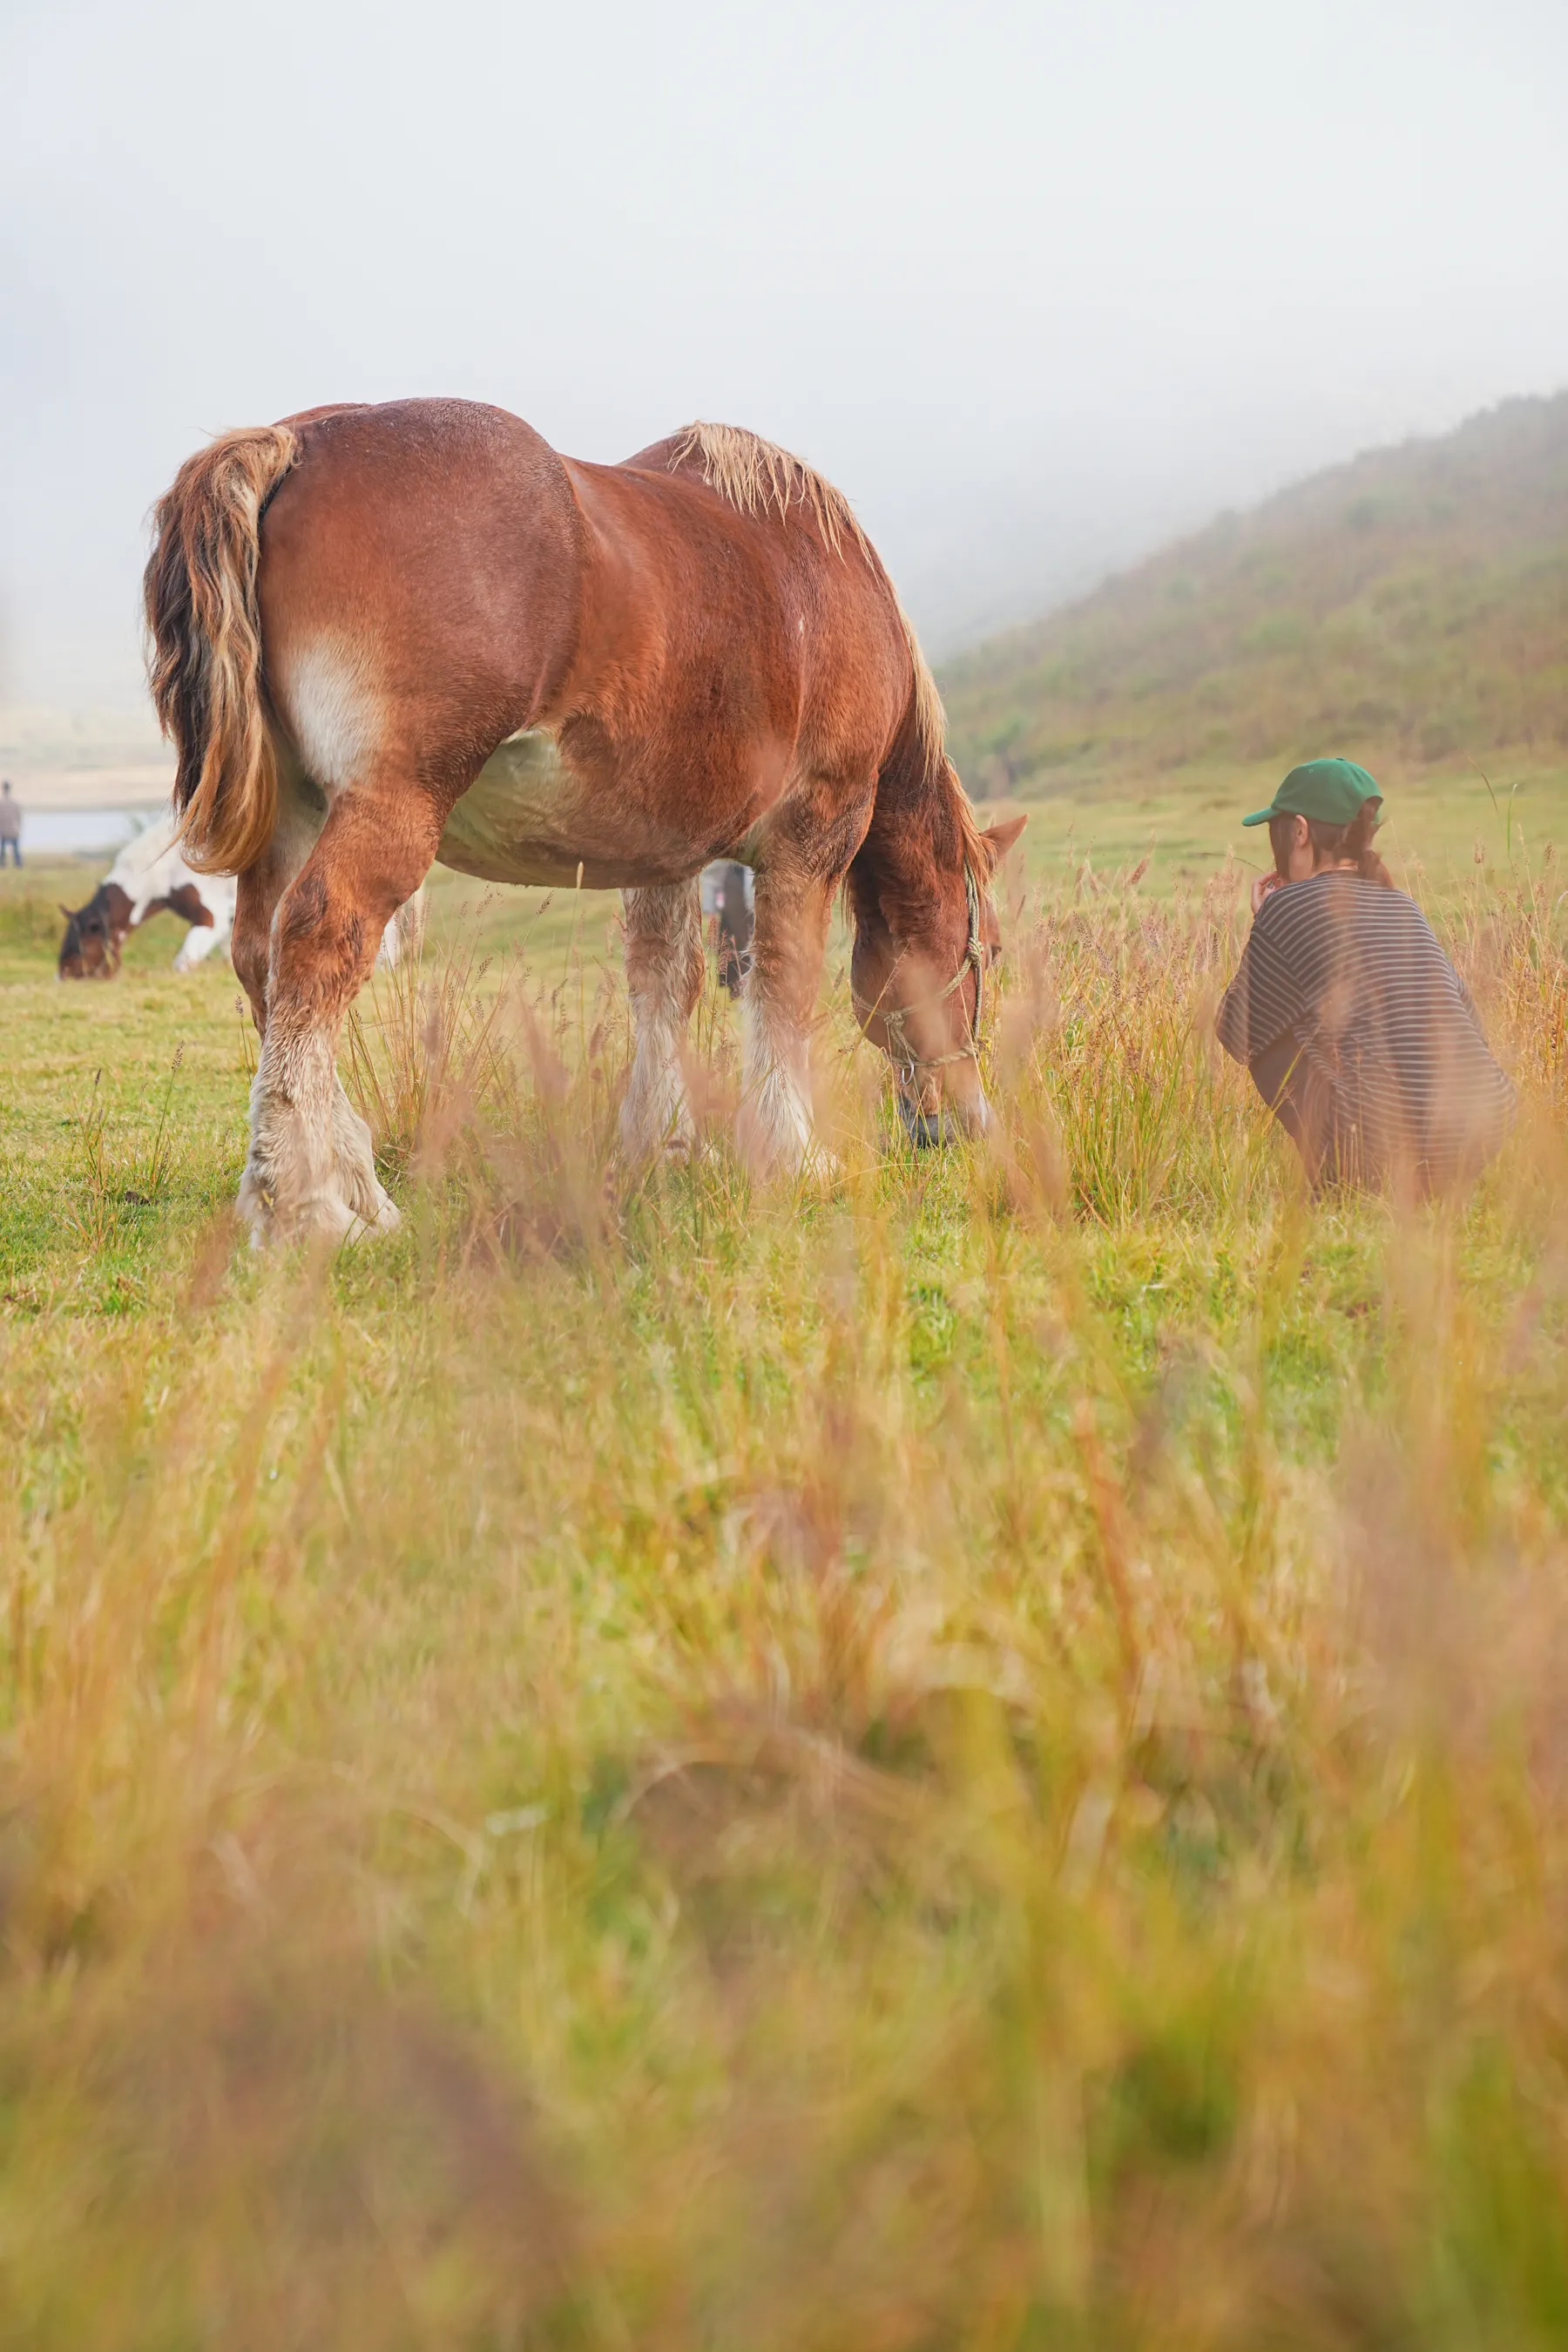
pixel 1410 607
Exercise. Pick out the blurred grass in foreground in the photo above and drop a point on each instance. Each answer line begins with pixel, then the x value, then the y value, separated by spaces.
pixel 975 1760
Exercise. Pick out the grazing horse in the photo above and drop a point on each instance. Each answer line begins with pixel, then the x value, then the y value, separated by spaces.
pixel 150 876
pixel 388 635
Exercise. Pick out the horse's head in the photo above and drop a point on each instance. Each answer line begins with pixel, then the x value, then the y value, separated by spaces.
pixel 918 979
pixel 94 935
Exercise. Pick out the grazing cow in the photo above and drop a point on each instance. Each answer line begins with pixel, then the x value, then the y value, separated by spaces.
pixel 385 636
pixel 149 876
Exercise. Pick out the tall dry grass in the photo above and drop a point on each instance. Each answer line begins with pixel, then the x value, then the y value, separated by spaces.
pixel 970 1760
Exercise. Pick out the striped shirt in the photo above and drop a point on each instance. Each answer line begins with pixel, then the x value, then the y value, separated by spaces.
pixel 1351 973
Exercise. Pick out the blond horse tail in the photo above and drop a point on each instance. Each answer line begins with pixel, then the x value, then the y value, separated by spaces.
pixel 204 656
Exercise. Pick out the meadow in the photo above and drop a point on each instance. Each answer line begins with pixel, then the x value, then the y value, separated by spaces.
pixel 970 1757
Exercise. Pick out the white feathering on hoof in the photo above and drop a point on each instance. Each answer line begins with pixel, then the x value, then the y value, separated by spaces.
pixel 776 1127
pixel 311 1169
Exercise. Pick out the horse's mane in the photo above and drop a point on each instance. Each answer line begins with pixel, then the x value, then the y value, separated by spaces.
pixel 976 855
pixel 757 477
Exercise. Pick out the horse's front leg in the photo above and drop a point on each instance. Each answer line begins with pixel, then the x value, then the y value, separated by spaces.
pixel 664 980
pixel 309 1169
pixel 793 905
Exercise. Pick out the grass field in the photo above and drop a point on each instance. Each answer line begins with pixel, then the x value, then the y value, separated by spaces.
pixel 1439 826
pixel 971 1759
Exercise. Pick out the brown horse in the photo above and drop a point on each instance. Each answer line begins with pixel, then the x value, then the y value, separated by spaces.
pixel 388 635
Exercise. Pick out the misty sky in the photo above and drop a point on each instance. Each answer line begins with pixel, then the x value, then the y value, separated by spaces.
pixel 1036 284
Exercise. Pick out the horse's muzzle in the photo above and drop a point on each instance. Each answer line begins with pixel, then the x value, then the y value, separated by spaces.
pixel 928 1129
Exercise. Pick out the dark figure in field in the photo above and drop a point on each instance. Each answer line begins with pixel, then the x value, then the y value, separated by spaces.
pixel 734 923
pixel 10 826
pixel 1356 1028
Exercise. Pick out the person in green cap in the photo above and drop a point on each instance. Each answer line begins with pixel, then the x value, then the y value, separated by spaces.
pixel 1357 1030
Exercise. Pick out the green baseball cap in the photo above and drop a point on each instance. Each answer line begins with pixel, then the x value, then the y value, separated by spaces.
pixel 1329 792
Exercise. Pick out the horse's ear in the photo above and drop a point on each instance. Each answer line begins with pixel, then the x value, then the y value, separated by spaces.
pixel 999 838
pixel 68 912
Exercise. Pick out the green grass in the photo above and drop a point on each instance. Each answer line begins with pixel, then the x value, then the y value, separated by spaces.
pixel 973 1758
pixel 1437 828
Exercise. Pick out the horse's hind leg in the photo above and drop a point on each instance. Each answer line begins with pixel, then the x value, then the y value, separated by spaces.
pixel 302 813
pixel 664 980
pixel 310 1166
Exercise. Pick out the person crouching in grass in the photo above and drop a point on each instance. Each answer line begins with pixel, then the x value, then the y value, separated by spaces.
pixel 1358 1032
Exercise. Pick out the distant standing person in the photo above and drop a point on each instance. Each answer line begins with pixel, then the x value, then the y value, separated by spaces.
pixel 733 922
pixel 1357 1030
pixel 10 826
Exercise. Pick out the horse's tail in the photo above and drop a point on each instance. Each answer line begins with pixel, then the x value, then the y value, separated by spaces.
pixel 204 659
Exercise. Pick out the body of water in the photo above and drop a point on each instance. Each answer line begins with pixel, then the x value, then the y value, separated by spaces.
pixel 71 833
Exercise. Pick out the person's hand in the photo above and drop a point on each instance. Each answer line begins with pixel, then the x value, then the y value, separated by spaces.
pixel 1262 886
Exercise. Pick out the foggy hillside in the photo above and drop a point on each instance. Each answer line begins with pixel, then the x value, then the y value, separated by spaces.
pixel 1411 606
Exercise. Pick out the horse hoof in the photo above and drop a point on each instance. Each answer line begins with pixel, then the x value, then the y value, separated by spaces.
pixel 676 1144
pixel 323 1217
pixel 386 1221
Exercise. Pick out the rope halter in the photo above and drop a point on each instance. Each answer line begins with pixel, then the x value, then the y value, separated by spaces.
pixel 893 1017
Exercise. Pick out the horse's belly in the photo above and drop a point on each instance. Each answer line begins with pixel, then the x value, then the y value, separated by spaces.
pixel 517 820
pixel 528 817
